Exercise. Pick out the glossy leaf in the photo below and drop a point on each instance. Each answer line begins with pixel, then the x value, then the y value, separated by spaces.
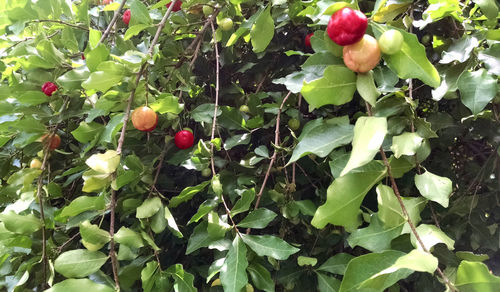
pixel 79 263
pixel 477 89
pixel 233 273
pixel 369 133
pixel 475 277
pixel 345 194
pixel 434 187
pixel 430 236
pixel 336 264
pixel 267 245
pixel 261 277
pixel 257 219
pixel 79 285
pixel 406 144
pixel 148 208
pixel 263 31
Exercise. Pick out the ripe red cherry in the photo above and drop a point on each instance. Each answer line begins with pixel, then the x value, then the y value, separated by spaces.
pixel 126 16
pixel 308 40
pixel 53 140
pixel 184 139
pixel 347 26
pixel 177 6
pixel 144 119
pixel 48 88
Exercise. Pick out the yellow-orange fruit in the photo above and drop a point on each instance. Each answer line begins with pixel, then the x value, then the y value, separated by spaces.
pixel 144 119
pixel 362 56
pixel 35 163
pixel 53 140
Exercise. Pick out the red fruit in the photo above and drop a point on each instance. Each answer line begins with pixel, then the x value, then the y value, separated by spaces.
pixel 177 6
pixel 83 56
pixel 362 56
pixel 126 16
pixel 347 26
pixel 48 88
pixel 144 119
pixel 308 40
pixel 53 140
pixel 184 139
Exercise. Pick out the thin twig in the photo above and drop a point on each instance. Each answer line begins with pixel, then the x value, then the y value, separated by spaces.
pixel 113 21
pixel 59 22
pixel 214 123
pixel 112 253
pixel 60 248
pixel 42 213
pixel 275 154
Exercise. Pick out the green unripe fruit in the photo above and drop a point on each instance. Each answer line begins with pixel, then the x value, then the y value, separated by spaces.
pixel 244 109
pixel 206 172
pixel 226 24
pixel 390 42
pixel 207 10
pixel 426 39
pixel 294 124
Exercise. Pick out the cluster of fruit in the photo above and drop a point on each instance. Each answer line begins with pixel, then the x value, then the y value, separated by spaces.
pixel 361 51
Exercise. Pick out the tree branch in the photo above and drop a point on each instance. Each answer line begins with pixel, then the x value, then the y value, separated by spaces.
pixel 275 154
pixel 112 22
pixel 59 22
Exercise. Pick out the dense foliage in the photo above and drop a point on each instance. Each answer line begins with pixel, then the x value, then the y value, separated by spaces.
pixel 303 176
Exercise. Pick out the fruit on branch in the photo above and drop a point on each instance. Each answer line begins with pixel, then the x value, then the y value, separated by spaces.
pixel 244 108
pixel 226 24
pixel 53 141
pixel 177 6
pixel 126 16
pixel 307 41
pixel 362 56
pixel 294 124
pixel 390 42
pixel 48 88
pixel 207 10
pixel 36 163
pixel 206 172
pixel 184 139
pixel 144 119
pixel 347 26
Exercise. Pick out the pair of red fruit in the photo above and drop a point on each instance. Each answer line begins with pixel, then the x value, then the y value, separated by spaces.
pixel 347 28
pixel 126 14
pixel 145 119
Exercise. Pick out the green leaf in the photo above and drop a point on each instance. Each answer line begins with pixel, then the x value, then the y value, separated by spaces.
pixel 82 204
pixel 32 98
pixel 366 87
pixel 112 128
pixel 172 225
pixel 134 30
pixel 87 132
pixel 139 12
pixel 488 7
pixel 433 187
pixel 93 237
pixel 345 194
pixel 233 273
pixel 95 181
pixel 128 237
pixel 267 245
pixel 148 208
pixel 106 162
pixel 406 144
pixel 337 87
pixel 159 222
pixel 321 137
pixel 167 103
pixel 477 89
pixel 363 272
pixel 20 224
pixel 262 31
pixel 430 236
pixel 79 263
pixel 375 237
pixel 183 280
pixel 258 219
pixel 327 283
pixel 96 57
pixel 369 133
pixel 389 209
pixel 261 277
pixel 243 204
pixel 416 260
pixel 187 194
pixel 216 228
pixel 491 59
pixel 471 257
pixel 72 80
pixel 199 238
pixel 236 140
pixel 79 285
pixel 476 277
pixel 149 274
pixel 336 264
pixel 306 261
pixel 411 61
